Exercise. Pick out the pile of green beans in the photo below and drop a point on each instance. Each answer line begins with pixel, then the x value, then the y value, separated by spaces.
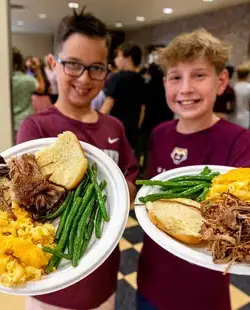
pixel 194 187
pixel 82 213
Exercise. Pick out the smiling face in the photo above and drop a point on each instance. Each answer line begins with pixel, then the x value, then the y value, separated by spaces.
pixel 192 87
pixel 78 49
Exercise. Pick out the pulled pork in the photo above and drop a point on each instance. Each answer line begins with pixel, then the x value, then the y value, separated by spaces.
pixel 227 228
pixel 31 188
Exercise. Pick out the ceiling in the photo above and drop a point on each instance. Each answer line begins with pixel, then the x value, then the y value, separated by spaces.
pixel 110 11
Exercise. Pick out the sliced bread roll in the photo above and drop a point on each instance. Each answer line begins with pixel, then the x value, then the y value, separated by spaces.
pixel 64 160
pixel 180 218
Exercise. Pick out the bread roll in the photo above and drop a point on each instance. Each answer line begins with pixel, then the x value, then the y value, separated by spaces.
pixel 180 218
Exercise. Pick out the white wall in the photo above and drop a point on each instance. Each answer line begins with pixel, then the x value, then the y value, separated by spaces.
pixel 33 44
pixel 5 105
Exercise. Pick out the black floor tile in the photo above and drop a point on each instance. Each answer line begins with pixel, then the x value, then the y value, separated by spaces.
pixel 128 263
pixel 241 282
pixel 125 296
pixel 134 234
pixel 246 307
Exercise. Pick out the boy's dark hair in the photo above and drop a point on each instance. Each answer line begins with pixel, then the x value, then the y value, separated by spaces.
pixel 132 50
pixel 243 72
pixel 81 23
pixel 17 60
pixel 230 70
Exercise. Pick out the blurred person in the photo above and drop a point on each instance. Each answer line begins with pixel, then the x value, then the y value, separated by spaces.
pixel 98 101
pixel 225 104
pixel 51 76
pixel 23 86
pixel 126 95
pixel 112 71
pixel 157 110
pixel 241 115
pixel 41 100
pixel 82 44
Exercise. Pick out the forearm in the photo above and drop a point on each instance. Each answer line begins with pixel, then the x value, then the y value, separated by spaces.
pixel 142 115
pixel 132 191
pixel 41 82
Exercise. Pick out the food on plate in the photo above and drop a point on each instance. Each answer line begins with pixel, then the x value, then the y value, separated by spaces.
pixel 5 196
pixel 63 161
pixel 227 228
pixel 21 242
pixel 32 189
pixel 55 182
pixel 235 181
pixel 181 218
pixel 194 187
pixel 84 213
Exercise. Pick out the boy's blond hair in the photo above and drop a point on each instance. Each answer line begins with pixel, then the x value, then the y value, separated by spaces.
pixel 192 46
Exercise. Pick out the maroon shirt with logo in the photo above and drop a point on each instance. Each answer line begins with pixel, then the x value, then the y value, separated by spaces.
pixel 166 281
pixel 107 134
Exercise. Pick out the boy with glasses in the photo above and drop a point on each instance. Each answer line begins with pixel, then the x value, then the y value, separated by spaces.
pixel 81 68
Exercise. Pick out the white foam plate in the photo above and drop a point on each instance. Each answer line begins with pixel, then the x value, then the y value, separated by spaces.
pixel 192 254
pixel 99 250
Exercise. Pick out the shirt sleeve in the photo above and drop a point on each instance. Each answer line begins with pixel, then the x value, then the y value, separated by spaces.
pixel 113 86
pixel 33 84
pixel 28 131
pixel 240 152
pixel 127 160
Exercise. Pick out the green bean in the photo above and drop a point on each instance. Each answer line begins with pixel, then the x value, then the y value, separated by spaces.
pixel 163 195
pixel 79 189
pixel 59 211
pixel 64 217
pixel 206 171
pixel 64 236
pixel 203 195
pixel 94 169
pixel 56 253
pixel 91 224
pixel 80 232
pixel 100 200
pixel 85 201
pixel 208 177
pixel 169 184
pixel 98 221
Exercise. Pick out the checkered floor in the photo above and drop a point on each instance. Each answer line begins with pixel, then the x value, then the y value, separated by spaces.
pixel 131 245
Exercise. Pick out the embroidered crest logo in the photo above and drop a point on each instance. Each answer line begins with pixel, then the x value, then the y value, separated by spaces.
pixel 178 155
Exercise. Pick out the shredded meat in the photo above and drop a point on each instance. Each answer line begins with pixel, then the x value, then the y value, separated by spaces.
pixel 31 188
pixel 4 169
pixel 227 228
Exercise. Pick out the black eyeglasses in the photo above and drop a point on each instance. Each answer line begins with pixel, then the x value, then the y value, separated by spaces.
pixel 76 69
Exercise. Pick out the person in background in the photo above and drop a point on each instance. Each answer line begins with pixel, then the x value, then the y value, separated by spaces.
pixel 126 95
pixel 51 77
pixel 156 112
pixel 194 69
pixel 225 104
pixel 98 101
pixel 82 44
pixel 241 115
pixel 112 71
pixel 23 86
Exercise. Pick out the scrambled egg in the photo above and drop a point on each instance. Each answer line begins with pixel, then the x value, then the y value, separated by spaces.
pixel 21 241
pixel 236 182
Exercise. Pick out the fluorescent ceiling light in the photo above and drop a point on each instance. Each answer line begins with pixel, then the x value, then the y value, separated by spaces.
pixel 140 18
pixel 73 5
pixel 118 25
pixel 42 16
pixel 168 11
